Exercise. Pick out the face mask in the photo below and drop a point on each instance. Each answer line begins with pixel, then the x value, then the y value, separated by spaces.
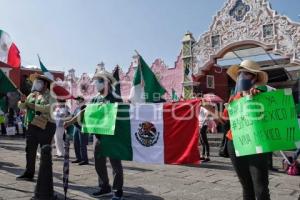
pixel 38 86
pixel 99 86
pixel 243 85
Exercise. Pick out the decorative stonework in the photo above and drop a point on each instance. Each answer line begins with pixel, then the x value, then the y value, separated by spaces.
pixel 238 24
pixel 239 10
pixel 268 30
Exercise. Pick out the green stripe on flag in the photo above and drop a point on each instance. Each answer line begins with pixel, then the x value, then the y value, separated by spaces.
pixel 43 68
pixel 174 96
pixel 6 84
pixel 153 88
pixel 137 79
pixel 118 146
pixel 100 119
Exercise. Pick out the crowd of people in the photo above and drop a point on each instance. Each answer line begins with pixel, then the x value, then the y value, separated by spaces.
pixel 43 124
pixel 12 123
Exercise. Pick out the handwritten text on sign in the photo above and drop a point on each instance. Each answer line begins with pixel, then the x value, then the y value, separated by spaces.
pixel 264 123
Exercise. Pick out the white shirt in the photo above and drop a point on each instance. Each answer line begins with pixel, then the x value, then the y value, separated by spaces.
pixel 203 116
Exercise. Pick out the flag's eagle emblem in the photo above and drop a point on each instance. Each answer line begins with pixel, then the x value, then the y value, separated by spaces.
pixel 147 134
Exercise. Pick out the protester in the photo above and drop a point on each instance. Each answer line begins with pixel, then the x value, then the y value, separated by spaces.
pixel 252 170
pixel 81 140
pixel 203 122
pixel 41 128
pixel 10 122
pixel 10 118
pixel 61 112
pixel 104 82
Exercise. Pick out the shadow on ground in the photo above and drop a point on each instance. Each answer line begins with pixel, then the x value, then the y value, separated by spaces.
pixel 11 168
pixel 132 193
pixel 213 165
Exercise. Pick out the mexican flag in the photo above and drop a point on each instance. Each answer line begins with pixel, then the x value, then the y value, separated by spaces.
pixel 116 75
pixel 59 91
pixel 145 86
pixel 162 133
pixel 9 53
pixel 45 70
pixel 174 95
pixel 6 84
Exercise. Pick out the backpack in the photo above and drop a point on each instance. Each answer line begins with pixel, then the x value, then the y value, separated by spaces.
pixel 291 167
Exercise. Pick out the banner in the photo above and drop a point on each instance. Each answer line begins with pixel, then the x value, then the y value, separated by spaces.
pixel 265 122
pixel 100 119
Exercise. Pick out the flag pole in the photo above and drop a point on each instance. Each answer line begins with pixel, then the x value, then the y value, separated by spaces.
pixel 136 52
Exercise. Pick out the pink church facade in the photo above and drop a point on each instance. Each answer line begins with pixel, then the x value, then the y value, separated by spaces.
pixel 169 77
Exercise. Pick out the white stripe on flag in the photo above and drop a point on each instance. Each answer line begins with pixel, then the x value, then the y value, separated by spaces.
pixel 137 94
pixel 154 152
pixel 49 75
pixel 5 44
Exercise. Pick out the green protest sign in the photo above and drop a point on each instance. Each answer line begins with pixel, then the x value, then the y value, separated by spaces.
pixel 263 123
pixel 100 119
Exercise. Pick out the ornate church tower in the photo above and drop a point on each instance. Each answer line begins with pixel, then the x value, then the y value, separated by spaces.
pixel 100 67
pixel 187 57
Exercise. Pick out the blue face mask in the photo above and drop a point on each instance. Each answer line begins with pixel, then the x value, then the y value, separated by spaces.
pixel 243 85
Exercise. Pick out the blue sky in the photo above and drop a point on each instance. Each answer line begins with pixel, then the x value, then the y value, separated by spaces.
pixel 81 33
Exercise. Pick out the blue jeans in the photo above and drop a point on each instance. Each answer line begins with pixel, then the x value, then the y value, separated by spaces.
pixel 80 145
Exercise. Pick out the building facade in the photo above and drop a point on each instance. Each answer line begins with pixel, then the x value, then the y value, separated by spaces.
pixel 241 30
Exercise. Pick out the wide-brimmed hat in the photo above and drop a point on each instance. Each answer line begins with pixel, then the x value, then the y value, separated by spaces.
pixel 104 74
pixel 60 92
pixel 250 66
pixel 39 76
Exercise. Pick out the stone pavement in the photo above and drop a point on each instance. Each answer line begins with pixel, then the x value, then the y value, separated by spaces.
pixel 213 180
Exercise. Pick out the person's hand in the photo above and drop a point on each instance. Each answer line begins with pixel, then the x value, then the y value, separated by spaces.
pixel 66 124
pixel 254 91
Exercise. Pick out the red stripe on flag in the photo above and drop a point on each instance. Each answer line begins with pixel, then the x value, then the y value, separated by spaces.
pixel 13 58
pixel 181 132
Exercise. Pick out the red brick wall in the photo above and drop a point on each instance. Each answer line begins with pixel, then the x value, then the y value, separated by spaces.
pixel 221 83
pixel 18 75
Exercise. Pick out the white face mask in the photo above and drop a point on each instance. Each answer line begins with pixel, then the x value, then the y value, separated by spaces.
pixel 38 85
pixel 99 86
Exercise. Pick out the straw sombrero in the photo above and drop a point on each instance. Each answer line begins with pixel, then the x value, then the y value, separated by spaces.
pixel 39 76
pixel 250 66
pixel 105 74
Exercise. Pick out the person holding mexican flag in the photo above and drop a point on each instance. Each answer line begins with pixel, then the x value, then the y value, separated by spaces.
pixel 41 126
pixel 104 82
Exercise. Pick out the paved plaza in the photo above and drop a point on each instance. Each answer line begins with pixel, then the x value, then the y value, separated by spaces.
pixel 213 180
